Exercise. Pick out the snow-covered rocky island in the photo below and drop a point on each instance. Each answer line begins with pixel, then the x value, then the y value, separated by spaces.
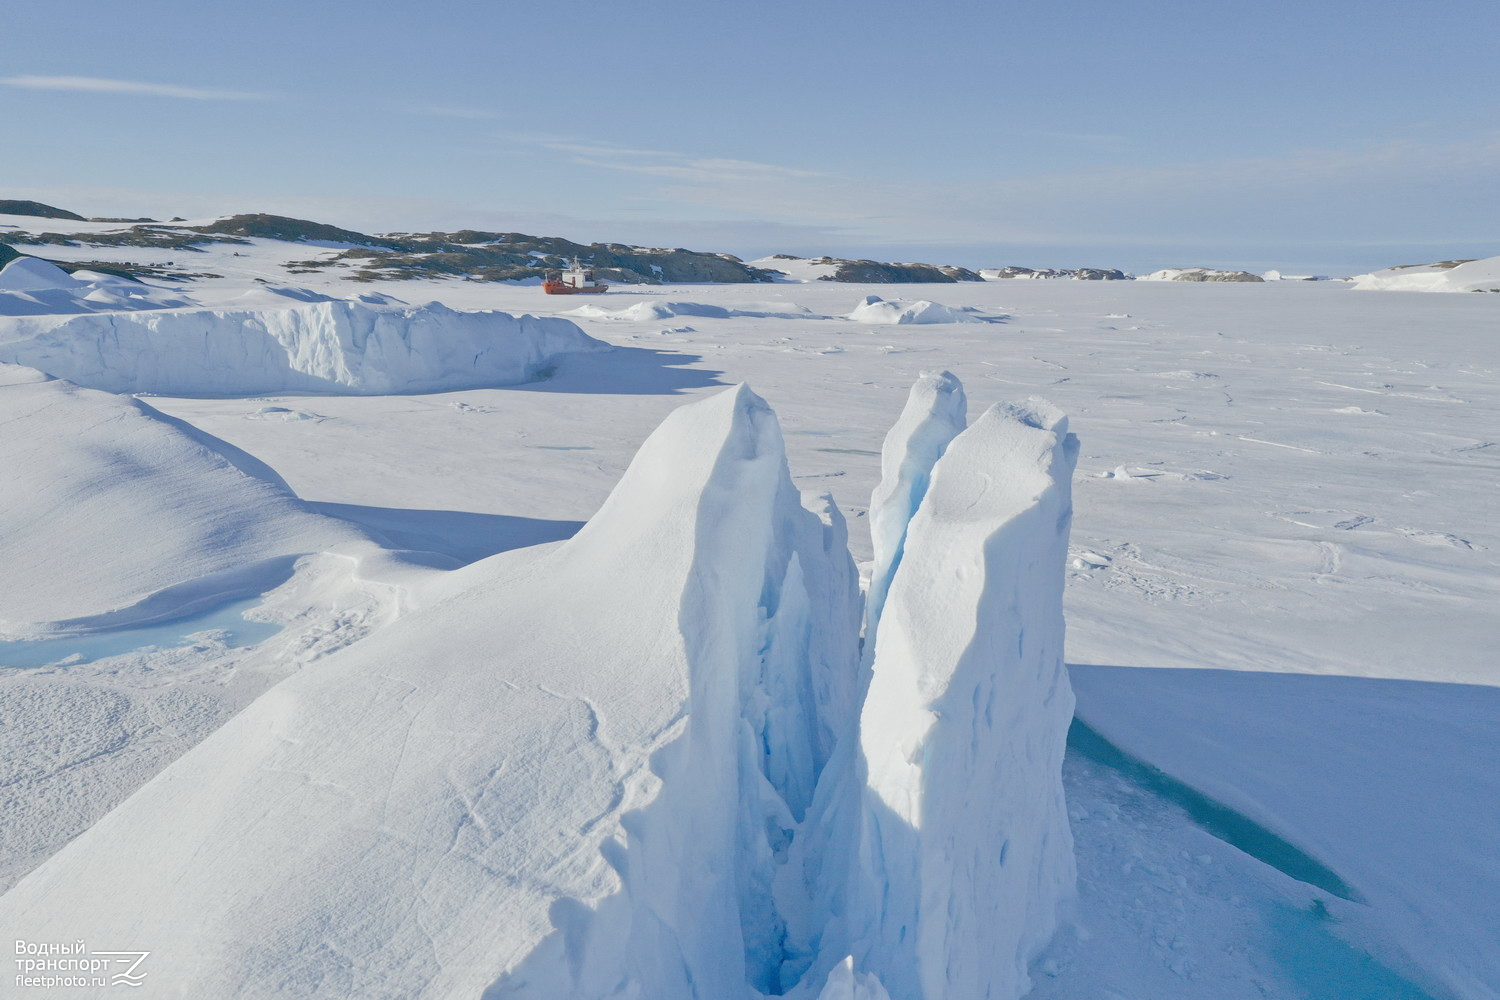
pixel 425 637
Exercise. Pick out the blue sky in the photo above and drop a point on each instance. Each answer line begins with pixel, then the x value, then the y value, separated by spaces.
pixel 1330 136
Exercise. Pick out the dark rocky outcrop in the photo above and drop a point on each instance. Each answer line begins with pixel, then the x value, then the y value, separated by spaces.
pixel 1079 274
pixel 1442 264
pixel 280 227
pixel 1016 271
pixel 488 256
pixel 11 206
pixel 473 254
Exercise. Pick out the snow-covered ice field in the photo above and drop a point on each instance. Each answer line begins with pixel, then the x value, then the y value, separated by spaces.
pixel 1281 596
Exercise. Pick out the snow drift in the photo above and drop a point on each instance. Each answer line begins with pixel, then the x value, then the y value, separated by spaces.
pixel 160 516
pixel 30 274
pixel 1449 276
pixel 873 309
pixel 635 766
pixel 643 312
pixel 646 311
pixel 333 346
pixel 33 287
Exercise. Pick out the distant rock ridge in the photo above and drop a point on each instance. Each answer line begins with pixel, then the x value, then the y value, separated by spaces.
pixel 1199 274
pixel 12 206
pixel 1077 274
pixel 471 254
pixel 874 272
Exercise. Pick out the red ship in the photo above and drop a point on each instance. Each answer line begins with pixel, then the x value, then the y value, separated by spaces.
pixel 576 280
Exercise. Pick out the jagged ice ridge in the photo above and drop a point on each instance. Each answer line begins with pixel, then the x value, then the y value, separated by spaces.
pixel 471 802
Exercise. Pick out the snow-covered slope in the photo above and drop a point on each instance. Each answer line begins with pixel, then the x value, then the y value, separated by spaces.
pixel 1198 274
pixel 1450 276
pixel 28 274
pixel 335 345
pixel 799 269
pixel 150 516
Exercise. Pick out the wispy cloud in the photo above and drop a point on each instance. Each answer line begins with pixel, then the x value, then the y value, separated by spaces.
pixel 662 162
pixel 588 147
pixel 1358 193
pixel 100 85
pixel 449 111
pixel 1087 138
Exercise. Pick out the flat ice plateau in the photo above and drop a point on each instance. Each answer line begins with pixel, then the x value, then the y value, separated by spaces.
pixel 555 689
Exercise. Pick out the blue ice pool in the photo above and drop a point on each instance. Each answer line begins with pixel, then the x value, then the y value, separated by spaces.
pixel 227 623
pixel 1326 967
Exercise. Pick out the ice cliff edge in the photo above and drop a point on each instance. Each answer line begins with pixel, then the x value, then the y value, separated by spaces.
pixel 333 346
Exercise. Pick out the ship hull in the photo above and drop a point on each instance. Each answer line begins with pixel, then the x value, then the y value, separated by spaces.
pixel 558 288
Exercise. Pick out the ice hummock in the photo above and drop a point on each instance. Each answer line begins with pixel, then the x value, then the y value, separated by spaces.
pixel 893 312
pixel 936 412
pixel 769 619
pixel 966 855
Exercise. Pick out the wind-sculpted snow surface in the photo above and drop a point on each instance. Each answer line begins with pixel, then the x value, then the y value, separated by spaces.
pixel 334 346
pixel 1449 276
pixel 163 518
pixel 646 311
pixel 966 854
pixel 633 766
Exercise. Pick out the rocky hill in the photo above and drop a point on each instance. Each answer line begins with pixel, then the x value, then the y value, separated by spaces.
pixel 488 256
pixel 1077 274
pixel 12 206
pixel 469 254
pixel 1199 274
pixel 864 271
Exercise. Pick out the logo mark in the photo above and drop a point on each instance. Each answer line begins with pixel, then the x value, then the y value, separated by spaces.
pixel 129 977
